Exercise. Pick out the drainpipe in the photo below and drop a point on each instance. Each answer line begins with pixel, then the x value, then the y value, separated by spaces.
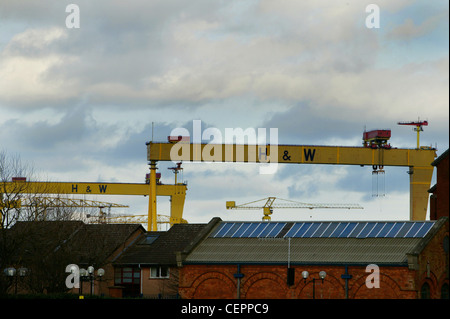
pixel 141 273
pixel 346 276
pixel 238 276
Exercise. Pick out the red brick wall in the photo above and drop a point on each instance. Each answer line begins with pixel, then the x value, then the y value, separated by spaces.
pixel 434 264
pixel 269 282
pixel 154 286
pixel 442 191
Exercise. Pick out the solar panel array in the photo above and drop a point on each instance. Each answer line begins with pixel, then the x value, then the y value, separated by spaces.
pixel 403 229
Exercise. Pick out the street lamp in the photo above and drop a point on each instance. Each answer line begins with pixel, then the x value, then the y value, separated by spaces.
pixel 88 275
pixel 14 273
pixel 322 275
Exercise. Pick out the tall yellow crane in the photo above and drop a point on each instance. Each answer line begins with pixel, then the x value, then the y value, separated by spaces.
pixel 417 160
pixel 267 205
pixel 176 192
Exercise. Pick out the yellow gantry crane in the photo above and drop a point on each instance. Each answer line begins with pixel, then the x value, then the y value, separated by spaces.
pixel 417 160
pixel 267 205
pixel 176 192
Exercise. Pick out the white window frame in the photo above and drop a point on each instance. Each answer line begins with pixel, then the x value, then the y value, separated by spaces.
pixel 158 272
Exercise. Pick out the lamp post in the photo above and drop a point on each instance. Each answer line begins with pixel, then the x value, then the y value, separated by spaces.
pixel 89 275
pixel 14 274
pixel 322 275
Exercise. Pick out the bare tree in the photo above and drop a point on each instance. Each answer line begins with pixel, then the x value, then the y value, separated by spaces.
pixel 27 239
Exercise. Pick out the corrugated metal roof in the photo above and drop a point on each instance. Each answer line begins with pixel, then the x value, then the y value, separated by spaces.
pixel 312 242
pixel 303 250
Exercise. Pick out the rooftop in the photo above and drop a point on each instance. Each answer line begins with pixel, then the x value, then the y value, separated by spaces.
pixel 313 242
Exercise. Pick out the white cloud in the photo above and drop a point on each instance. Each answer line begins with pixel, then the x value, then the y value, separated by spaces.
pixel 309 68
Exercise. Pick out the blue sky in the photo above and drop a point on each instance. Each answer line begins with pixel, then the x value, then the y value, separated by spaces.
pixel 79 103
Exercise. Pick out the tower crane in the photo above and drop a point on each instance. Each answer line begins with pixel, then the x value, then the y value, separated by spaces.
pixel 46 202
pixel 139 219
pixel 418 127
pixel 267 205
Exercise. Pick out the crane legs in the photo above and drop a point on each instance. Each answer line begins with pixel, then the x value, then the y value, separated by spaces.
pixel 152 225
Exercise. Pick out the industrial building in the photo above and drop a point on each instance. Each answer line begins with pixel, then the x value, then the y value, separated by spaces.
pixel 439 199
pixel 260 260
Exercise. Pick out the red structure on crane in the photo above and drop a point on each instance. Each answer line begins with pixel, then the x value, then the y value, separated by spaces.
pixel 418 127
pixel 377 139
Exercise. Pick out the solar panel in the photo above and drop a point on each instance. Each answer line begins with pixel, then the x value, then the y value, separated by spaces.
pixel 347 230
pixel 407 229
pixel 414 230
pixel 241 230
pixel 339 229
pixel 394 230
pixel 424 230
pixel 322 228
pixel 357 230
pixel 276 230
pixel 330 229
pixel 311 230
pixel 293 229
pixel 258 230
pixel 250 230
pixel 233 229
pixel 375 230
pixel 267 230
pixel 365 231
pixel 222 230
pixel 302 230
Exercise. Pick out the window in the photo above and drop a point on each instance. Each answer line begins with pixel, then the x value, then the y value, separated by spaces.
pixel 425 291
pixel 127 276
pixel 148 240
pixel 159 272
pixel 444 291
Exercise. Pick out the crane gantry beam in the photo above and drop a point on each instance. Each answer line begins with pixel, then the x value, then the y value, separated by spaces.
pixel 417 160
pixel 177 193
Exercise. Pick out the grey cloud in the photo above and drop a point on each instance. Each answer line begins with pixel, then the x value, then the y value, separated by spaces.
pixel 306 124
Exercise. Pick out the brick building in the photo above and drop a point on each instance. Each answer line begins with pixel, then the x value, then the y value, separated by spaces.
pixel 148 268
pixel 266 259
pixel 439 199
pixel 46 248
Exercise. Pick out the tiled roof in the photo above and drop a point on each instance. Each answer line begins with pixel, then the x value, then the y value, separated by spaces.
pixel 162 250
pixel 83 243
